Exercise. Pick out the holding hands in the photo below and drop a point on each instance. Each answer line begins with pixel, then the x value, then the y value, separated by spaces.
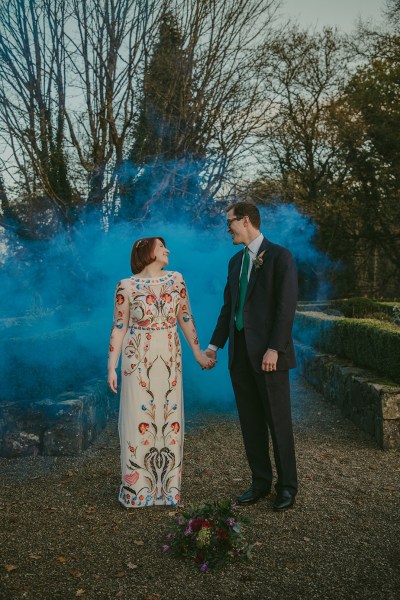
pixel 205 360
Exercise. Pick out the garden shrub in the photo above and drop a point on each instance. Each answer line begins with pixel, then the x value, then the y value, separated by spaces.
pixel 360 308
pixel 368 343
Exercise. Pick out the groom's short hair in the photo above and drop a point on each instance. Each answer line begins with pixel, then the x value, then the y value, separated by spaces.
pixel 246 209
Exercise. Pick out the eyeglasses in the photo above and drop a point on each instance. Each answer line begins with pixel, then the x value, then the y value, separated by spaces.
pixel 141 243
pixel 230 221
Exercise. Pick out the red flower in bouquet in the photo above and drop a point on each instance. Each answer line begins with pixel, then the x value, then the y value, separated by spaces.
pixel 222 534
pixel 196 524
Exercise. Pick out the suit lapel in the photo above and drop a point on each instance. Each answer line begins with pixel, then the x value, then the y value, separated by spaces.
pixel 253 273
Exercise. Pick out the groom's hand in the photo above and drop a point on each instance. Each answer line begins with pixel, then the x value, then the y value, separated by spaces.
pixel 269 361
pixel 206 361
pixel 211 354
pixel 212 357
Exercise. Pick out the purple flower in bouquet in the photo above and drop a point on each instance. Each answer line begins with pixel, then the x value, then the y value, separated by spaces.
pixel 231 522
pixel 204 567
pixel 165 548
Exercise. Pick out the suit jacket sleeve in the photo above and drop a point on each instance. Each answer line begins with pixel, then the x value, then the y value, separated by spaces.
pixel 286 290
pixel 221 331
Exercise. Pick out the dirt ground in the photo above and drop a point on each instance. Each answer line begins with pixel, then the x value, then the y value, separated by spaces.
pixel 64 535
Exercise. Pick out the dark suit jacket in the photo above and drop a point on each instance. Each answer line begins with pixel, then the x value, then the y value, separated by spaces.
pixel 269 307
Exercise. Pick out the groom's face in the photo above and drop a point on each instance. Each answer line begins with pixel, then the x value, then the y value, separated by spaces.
pixel 236 227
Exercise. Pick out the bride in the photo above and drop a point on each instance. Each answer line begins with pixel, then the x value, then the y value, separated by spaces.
pixel 148 307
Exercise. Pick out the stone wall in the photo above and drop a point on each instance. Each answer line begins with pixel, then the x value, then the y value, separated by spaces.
pixel 64 425
pixel 371 402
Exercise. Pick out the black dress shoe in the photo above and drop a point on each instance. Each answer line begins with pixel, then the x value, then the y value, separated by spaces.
pixel 252 495
pixel 283 500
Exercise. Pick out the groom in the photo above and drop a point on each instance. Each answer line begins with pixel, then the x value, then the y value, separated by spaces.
pixel 257 316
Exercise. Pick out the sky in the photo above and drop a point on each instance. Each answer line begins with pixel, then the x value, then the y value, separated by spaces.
pixel 342 13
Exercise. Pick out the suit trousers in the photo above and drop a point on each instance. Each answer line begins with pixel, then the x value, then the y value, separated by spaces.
pixel 263 403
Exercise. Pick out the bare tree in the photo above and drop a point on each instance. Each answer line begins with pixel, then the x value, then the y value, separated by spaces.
pixel 305 73
pixel 393 12
pixel 69 71
pixel 222 39
pixel 32 96
pixel 106 57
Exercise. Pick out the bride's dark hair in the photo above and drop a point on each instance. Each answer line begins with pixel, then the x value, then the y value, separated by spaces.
pixel 141 253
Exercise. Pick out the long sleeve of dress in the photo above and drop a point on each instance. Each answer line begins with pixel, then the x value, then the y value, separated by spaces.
pixel 185 316
pixel 120 324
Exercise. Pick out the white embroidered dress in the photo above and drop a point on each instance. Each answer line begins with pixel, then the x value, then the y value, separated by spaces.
pixel 151 422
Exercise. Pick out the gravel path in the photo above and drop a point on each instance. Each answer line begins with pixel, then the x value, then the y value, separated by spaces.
pixel 65 536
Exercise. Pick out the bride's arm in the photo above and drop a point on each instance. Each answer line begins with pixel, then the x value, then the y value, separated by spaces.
pixel 118 330
pixel 186 322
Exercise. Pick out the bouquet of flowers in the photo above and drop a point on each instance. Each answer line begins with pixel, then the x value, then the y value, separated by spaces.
pixel 209 534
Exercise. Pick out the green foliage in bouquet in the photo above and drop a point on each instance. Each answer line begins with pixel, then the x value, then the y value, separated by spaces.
pixel 209 535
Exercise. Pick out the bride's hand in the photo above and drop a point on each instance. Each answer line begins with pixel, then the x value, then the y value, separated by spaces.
pixel 112 380
pixel 205 361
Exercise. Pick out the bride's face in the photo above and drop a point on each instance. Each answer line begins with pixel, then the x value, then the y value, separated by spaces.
pixel 160 252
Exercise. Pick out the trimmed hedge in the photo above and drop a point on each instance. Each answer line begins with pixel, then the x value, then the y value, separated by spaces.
pixel 361 308
pixel 354 308
pixel 368 343
pixel 358 308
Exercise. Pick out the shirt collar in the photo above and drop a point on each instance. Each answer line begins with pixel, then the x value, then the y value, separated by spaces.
pixel 254 246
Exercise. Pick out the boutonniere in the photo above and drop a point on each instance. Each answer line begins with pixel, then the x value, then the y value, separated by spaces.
pixel 258 261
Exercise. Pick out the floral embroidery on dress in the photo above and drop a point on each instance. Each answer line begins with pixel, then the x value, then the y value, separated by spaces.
pixel 151 411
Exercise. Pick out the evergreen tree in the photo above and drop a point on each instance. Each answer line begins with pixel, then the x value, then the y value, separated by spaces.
pixel 165 159
pixel 162 122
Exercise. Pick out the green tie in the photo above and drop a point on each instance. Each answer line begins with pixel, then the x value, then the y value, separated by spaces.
pixel 242 289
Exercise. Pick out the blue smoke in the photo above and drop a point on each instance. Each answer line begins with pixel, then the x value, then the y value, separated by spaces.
pixel 57 299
